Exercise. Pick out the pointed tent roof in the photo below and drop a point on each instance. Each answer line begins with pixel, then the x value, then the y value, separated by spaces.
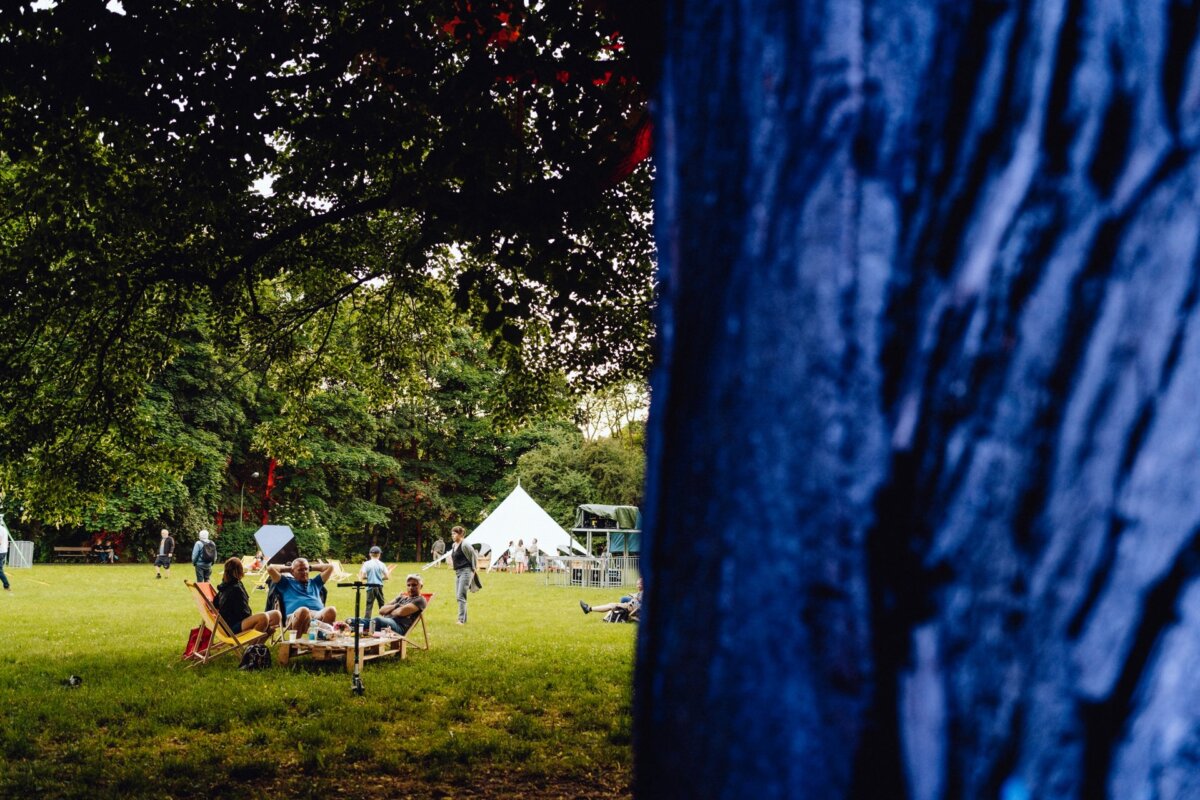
pixel 520 517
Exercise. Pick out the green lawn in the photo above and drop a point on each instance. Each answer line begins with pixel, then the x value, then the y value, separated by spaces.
pixel 531 698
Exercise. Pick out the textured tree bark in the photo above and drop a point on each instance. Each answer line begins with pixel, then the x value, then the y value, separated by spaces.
pixel 922 509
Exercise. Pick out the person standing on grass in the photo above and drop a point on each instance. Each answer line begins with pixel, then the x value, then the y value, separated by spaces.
pixel 462 558
pixel 533 555
pixel 166 549
pixel 204 555
pixel 374 572
pixel 439 549
pixel 4 537
pixel 520 557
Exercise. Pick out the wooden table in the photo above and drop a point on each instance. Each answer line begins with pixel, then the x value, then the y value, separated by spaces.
pixel 342 647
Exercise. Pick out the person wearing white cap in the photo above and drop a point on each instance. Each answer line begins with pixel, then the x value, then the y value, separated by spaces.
pixel 204 555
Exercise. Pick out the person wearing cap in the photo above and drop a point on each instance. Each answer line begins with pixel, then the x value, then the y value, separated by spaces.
pixel 400 614
pixel 374 572
pixel 204 555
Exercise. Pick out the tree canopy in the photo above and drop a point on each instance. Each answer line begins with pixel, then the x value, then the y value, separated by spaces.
pixel 488 153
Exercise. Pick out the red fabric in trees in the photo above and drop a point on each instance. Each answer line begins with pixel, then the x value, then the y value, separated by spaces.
pixel 266 502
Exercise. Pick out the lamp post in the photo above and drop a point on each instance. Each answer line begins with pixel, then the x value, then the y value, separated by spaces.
pixel 242 501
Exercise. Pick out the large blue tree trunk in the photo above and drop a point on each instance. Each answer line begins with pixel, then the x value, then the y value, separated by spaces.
pixel 923 498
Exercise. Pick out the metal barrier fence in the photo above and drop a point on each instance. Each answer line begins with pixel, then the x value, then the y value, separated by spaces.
pixel 592 572
pixel 20 554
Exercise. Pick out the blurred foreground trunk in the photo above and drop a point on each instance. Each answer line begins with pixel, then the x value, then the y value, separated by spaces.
pixel 923 500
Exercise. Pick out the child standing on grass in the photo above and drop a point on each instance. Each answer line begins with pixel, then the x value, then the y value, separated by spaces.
pixel 374 572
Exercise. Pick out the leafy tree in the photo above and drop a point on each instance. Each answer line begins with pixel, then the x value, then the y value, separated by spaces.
pixel 572 469
pixel 488 146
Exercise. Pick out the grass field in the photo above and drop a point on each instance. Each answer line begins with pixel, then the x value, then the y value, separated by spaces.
pixel 530 699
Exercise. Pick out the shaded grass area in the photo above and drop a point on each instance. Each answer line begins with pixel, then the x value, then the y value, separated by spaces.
pixel 531 698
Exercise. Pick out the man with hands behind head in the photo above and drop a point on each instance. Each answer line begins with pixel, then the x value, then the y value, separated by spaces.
pixel 301 593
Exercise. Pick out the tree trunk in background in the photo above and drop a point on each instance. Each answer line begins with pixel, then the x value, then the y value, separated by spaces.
pixel 923 505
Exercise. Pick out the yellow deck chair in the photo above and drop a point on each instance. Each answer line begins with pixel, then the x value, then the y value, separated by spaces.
pixel 222 639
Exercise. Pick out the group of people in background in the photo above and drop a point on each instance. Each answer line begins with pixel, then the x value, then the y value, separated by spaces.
pixel 517 556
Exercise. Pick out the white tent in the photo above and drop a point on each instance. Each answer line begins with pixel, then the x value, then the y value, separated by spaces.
pixel 519 517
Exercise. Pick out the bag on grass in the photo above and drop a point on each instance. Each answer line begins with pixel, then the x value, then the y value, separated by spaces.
pixel 617 615
pixel 197 641
pixel 257 656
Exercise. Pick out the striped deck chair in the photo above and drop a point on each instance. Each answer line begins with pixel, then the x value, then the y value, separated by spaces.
pixel 222 639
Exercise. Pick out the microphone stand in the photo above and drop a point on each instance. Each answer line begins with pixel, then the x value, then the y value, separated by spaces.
pixel 356 684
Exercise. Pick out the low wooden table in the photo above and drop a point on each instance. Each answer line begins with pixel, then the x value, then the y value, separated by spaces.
pixel 342 647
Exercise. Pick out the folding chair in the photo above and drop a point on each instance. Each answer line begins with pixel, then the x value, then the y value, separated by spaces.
pixel 339 574
pixel 420 619
pixel 248 566
pixel 222 639
pixel 264 579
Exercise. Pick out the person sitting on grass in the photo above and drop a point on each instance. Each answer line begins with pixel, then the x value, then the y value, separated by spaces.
pixel 302 594
pixel 630 605
pixel 233 603
pixel 400 614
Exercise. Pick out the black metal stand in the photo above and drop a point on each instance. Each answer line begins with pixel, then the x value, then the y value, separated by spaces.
pixel 356 684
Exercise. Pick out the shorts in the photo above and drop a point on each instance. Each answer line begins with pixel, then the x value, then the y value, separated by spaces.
pixel 162 561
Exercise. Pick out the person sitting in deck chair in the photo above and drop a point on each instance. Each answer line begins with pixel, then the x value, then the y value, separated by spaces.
pixel 626 609
pixel 400 614
pixel 233 603
pixel 302 594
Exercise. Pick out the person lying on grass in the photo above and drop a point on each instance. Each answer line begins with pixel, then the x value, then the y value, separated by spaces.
pixel 302 594
pixel 400 614
pixel 233 603
pixel 631 605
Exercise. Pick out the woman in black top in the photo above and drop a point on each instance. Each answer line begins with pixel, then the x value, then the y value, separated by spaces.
pixel 233 603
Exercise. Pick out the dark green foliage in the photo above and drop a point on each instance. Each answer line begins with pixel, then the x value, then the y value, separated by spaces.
pixel 410 157
pixel 563 473
pixel 449 233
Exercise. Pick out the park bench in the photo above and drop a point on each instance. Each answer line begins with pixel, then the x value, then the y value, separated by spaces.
pixel 72 553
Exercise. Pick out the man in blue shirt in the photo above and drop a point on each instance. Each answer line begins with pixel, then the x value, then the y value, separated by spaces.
pixel 301 594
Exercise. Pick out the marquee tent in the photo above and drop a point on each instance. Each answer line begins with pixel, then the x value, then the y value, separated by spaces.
pixel 519 517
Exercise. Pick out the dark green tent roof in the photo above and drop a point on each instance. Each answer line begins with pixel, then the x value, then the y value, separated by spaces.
pixel 627 517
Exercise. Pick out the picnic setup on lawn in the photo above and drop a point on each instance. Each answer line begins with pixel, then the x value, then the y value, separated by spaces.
pixel 293 633
pixel 531 692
